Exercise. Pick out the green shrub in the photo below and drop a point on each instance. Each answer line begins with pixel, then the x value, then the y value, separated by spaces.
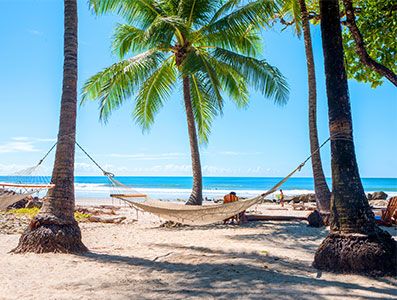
pixel 32 212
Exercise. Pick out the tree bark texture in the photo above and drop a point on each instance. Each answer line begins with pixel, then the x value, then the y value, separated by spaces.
pixel 355 244
pixel 323 194
pixel 196 197
pixel 55 229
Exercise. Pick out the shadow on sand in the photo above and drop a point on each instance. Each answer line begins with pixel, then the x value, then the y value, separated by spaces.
pixel 219 277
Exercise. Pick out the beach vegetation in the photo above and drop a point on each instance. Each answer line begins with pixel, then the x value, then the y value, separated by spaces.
pixel 210 49
pixel 34 211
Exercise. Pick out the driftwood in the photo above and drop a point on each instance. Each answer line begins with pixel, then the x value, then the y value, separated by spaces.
pixel 102 219
pixel 274 218
pixel 96 210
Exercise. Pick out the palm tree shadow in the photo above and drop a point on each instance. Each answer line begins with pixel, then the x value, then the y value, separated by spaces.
pixel 297 234
pixel 201 278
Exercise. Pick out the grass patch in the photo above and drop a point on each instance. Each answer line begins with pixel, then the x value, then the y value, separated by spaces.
pixel 80 216
pixel 32 212
pixel 29 212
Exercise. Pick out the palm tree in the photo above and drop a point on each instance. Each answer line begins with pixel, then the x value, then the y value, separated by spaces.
pixel 210 46
pixel 355 244
pixel 298 11
pixel 54 229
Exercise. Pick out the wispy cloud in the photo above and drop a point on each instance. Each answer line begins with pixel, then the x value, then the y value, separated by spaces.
pixel 235 153
pixel 22 144
pixel 35 32
pixel 144 156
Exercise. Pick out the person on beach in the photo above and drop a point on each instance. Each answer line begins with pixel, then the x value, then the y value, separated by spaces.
pixel 239 218
pixel 281 198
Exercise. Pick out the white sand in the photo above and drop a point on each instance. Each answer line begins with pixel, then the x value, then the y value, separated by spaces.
pixel 140 260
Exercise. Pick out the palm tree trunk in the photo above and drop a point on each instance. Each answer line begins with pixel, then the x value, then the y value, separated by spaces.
pixel 355 243
pixel 323 194
pixel 54 229
pixel 196 197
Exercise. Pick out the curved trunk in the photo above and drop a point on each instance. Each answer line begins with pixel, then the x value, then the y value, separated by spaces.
pixel 55 229
pixel 323 194
pixel 355 243
pixel 196 197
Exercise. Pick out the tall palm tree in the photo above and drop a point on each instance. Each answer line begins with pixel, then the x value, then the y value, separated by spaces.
pixel 298 11
pixel 211 47
pixel 355 244
pixel 54 229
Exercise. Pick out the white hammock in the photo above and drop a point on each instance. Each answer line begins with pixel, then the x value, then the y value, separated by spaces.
pixel 23 184
pixel 190 214
pixel 194 214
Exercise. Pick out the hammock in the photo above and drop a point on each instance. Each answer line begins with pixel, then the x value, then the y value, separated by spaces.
pixel 195 214
pixel 190 214
pixel 23 184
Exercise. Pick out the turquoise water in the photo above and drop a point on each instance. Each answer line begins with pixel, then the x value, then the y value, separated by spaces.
pixel 179 187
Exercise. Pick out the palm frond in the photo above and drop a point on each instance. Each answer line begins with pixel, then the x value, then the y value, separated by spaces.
pixel 226 7
pixel 128 38
pixel 233 83
pixel 197 11
pixel 112 86
pixel 257 13
pixel 141 12
pixel 291 9
pixel 154 91
pixel 203 104
pixel 167 28
pixel 258 73
pixel 198 61
pixel 247 42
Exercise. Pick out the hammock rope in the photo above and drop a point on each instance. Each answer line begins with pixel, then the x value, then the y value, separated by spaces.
pixel 191 214
pixel 23 184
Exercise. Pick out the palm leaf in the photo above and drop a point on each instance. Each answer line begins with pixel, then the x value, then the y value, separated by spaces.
pixel 197 11
pixel 257 13
pixel 112 86
pixel 203 104
pixel 141 12
pixel 262 76
pixel 154 91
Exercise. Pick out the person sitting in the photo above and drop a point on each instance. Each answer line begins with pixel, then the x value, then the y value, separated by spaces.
pixel 231 197
pixel 240 217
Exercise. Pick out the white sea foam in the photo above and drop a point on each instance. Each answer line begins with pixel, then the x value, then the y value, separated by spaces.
pixel 91 190
pixel 88 190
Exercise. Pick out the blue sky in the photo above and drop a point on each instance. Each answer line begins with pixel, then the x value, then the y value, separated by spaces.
pixel 262 140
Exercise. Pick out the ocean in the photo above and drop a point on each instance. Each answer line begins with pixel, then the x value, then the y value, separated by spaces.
pixel 172 188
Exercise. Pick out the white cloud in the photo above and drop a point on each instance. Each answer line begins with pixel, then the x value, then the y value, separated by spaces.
pixel 18 146
pixel 23 144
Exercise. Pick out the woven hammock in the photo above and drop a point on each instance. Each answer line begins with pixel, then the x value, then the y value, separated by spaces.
pixel 23 184
pixel 189 214
pixel 195 214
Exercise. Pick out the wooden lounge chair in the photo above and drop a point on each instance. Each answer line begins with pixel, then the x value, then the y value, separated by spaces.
pixel 389 215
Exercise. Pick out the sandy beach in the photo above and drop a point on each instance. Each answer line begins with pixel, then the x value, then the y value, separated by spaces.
pixel 138 259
